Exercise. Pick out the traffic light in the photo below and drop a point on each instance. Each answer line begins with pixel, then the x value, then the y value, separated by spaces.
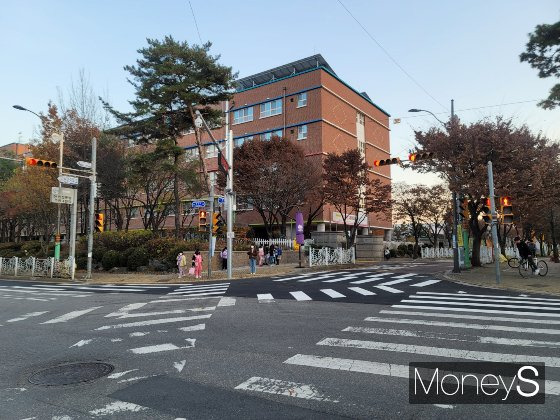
pixel 506 210
pixel 99 222
pixel 40 162
pixel 384 162
pixel 217 222
pixel 486 212
pixel 413 157
pixel 202 221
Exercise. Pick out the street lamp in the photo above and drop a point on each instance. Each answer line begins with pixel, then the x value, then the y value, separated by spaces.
pixel 60 147
pixel 456 266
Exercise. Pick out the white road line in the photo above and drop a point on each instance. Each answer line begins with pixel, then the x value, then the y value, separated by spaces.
pixel 197 327
pixel 115 289
pixel 126 309
pixel 440 351
pixel 425 283
pixel 117 407
pixel 489 296
pixel 343 278
pixel 374 368
pixel 453 337
pixel 289 389
pixel 320 277
pixel 185 299
pixel 82 343
pixel 208 289
pixel 37 289
pixel 460 298
pixel 163 347
pixel 45 293
pixel 265 296
pixel 138 334
pixel 466 326
pixel 27 316
pixel 120 374
pixel 227 301
pixel 198 294
pixel 70 315
pixel 154 322
pixel 201 286
pixel 141 314
pixel 389 289
pixel 361 291
pixel 466 316
pixel 371 279
pixel 402 276
pixel 390 283
pixel 294 277
pixel 478 310
pixel 478 304
pixel 332 293
pixel 300 296
pixel 180 365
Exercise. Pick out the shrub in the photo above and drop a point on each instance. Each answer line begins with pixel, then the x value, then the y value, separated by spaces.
pixel 121 240
pixel 110 259
pixel 33 248
pixel 160 248
pixel 123 258
pixel 98 253
pixel 81 262
pixel 402 250
pixel 393 253
pixel 137 258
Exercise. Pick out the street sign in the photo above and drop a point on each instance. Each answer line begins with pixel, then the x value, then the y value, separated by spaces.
pixel 221 200
pixel 83 164
pixel 230 235
pixel 196 204
pixel 62 195
pixel 66 179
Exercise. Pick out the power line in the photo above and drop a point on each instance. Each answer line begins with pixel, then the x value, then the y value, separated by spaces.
pixel 391 58
pixel 195 23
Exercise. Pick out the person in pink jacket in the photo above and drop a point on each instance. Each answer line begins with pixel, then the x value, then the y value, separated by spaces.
pixel 261 255
pixel 197 265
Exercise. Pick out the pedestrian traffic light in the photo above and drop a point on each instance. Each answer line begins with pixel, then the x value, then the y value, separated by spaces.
pixel 506 210
pixel 99 222
pixel 384 162
pixel 486 212
pixel 217 222
pixel 413 157
pixel 202 221
pixel 30 161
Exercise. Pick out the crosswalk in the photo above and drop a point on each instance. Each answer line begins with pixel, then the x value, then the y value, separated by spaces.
pixel 439 327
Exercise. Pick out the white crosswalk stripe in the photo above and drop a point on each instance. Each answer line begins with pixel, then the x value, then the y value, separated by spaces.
pixel 300 296
pixel 265 297
pixel 332 293
pixel 361 291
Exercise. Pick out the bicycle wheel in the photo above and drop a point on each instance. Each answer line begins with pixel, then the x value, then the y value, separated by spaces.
pixel 543 268
pixel 524 269
pixel 513 262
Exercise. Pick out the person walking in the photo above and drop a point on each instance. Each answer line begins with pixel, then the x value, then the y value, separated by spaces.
pixel 261 256
pixel 181 263
pixel 197 264
pixel 265 254
pixel 278 254
pixel 271 260
pixel 223 254
pixel 253 253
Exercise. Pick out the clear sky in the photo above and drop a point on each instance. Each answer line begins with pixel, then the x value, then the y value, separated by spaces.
pixel 465 50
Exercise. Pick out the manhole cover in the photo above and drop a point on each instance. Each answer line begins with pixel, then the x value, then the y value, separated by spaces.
pixel 71 373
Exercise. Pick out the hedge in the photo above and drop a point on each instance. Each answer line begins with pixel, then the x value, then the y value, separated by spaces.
pixel 110 259
pixel 138 257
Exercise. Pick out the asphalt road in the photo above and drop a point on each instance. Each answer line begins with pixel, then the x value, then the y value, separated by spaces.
pixel 336 345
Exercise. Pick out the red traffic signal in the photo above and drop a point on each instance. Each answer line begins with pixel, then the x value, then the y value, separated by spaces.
pixel 202 222
pixel 506 210
pixel 384 162
pixel 40 162
pixel 413 157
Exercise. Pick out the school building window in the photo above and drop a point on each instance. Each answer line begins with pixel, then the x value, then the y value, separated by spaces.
pixel 211 151
pixel 243 115
pixel 302 100
pixel 302 132
pixel 191 153
pixel 271 108
pixel 270 134
pixel 238 142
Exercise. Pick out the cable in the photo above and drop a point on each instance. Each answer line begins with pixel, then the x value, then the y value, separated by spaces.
pixel 195 24
pixel 391 58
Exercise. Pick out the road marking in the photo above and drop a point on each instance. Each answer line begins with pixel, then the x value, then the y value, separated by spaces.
pixel 185 299
pixel 462 299
pixel 138 334
pixel 343 278
pixel 70 315
pixel 332 293
pixel 112 289
pixel 374 368
pixel 361 291
pixel 320 277
pixel 466 326
pixel 136 378
pixel 180 365
pixel 81 343
pixel 265 296
pixel 278 387
pixel 425 283
pixel 153 322
pixel 294 277
pixel 140 314
pixel 204 287
pixel 227 301
pixel 478 304
pixel 163 347
pixel 440 351
pixel 27 316
pixel 117 407
pixel 371 278
pixel 126 309
pixel 390 283
pixel 453 337
pixel 198 294
pixel 478 310
pixel 463 294
pixel 389 289
pixel 300 296
pixel 197 327
pixel 466 316
pixel 402 276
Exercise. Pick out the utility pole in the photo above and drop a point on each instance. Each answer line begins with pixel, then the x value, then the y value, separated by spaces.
pixel 93 187
pixel 60 163
pixel 229 195
pixel 494 223
pixel 211 226
pixel 456 266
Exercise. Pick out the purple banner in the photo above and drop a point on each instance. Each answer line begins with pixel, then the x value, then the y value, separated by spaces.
pixel 299 228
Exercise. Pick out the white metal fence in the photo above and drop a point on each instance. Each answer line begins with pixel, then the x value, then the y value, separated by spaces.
pixel 486 253
pixel 34 267
pixel 437 252
pixel 330 256
pixel 284 243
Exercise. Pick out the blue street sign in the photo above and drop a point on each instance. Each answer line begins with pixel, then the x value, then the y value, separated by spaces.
pixel 198 204
pixel 221 200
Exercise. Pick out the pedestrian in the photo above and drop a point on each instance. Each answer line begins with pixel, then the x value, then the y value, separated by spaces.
pixel 532 247
pixel 525 253
pixel 181 264
pixel 265 252
pixel 271 260
pixel 253 253
pixel 278 254
pixel 197 260
pixel 223 254
pixel 387 253
pixel 261 255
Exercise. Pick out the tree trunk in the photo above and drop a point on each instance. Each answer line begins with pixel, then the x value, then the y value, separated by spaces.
pixel 177 201
pixel 283 220
pixel 553 235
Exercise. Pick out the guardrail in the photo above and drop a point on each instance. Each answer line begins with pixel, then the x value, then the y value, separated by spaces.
pixel 330 256
pixel 34 267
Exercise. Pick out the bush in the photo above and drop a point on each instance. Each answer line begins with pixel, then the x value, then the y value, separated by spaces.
pixel 123 258
pixel 137 258
pixel 110 259
pixel 97 253
pixel 33 248
pixel 10 249
pixel 159 248
pixel 81 262
pixel 393 253
pixel 402 250
pixel 121 240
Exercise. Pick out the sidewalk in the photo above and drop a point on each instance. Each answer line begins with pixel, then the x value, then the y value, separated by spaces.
pixel 510 279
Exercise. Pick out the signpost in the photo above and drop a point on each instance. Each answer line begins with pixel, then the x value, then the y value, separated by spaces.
pixel 67 179
pixel 197 204
pixel 300 239
pixel 62 195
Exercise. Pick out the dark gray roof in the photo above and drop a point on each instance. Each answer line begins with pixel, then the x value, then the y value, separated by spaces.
pixel 285 70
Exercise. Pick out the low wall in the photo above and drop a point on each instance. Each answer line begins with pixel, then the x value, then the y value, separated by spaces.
pixel 330 239
pixel 369 247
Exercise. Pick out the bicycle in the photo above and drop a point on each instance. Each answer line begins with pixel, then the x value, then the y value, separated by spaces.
pixel 524 267
pixel 513 262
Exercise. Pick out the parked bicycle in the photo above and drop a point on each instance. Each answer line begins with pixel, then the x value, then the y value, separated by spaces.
pixel 525 269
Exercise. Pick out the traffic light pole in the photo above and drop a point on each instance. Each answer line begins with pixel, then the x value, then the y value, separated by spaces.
pixel 494 223
pixel 210 231
pixel 60 163
pixel 456 265
pixel 230 199
pixel 93 186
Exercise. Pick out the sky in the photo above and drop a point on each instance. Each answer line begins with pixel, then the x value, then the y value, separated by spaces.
pixel 413 55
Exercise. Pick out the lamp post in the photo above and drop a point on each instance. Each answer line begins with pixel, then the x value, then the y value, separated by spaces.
pixel 456 266
pixel 60 149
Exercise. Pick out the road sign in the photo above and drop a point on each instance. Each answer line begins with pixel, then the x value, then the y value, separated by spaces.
pixel 221 200
pixel 230 235
pixel 83 164
pixel 66 179
pixel 196 204
pixel 62 195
